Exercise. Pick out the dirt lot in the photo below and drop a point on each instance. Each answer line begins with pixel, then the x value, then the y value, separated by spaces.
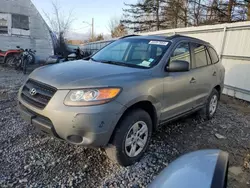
pixel 30 159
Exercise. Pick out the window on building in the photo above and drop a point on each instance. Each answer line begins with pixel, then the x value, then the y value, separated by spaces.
pixel 20 21
pixel 3 24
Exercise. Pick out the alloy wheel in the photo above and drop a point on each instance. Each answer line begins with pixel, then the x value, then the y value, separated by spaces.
pixel 136 139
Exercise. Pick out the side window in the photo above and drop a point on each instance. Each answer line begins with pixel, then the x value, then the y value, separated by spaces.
pixel 200 56
pixel 182 52
pixel 213 54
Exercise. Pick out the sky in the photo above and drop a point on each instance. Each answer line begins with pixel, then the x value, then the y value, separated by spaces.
pixel 84 10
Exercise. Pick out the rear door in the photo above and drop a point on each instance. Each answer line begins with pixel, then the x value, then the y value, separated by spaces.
pixel 220 70
pixel 204 73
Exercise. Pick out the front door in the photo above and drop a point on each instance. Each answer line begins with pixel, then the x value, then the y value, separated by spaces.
pixel 179 87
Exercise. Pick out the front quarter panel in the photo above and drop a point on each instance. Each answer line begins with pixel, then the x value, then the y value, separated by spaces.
pixel 142 89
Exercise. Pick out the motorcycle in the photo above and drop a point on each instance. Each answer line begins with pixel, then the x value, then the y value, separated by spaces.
pixel 8 57
pixel 26 57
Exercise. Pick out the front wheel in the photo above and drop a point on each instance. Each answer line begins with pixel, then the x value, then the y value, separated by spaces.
pixel 131 138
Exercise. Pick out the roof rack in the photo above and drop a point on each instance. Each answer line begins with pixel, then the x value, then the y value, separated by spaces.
pixel 128 36
pixel 174 36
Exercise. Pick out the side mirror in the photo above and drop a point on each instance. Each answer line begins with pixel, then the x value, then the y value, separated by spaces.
pixel 177 66
pixel 17 46
pixel 203 168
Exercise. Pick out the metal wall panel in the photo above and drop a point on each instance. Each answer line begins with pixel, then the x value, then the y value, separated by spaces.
pixel 232 42
pixel 237 42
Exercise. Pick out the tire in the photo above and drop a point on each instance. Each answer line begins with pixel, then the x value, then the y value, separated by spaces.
pixel 11 61
pixel 117 152
pixel 207 111
pixel 24 66
pixel 8 60
pixel 18 63
pixel 31 58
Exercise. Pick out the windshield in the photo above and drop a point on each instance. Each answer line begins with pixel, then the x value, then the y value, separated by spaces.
pixel 141 53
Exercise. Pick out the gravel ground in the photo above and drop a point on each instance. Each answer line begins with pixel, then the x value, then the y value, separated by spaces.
pixel 28 158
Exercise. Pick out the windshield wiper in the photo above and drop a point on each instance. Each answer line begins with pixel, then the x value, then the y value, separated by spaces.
pixel 92 59
pixel 121 63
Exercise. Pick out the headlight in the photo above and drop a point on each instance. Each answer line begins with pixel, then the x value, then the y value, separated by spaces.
pixel 86 97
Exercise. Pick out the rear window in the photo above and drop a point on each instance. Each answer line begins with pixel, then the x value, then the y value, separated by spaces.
pixel 200 56
pixel 213 54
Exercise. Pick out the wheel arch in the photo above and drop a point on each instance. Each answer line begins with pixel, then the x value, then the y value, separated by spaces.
pixel 145 104
pixel 8 54
pixel 218 89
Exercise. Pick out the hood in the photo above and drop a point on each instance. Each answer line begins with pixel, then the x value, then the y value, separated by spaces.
pixel 83 74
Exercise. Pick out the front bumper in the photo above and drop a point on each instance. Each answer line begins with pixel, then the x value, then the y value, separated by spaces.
pixel 88 126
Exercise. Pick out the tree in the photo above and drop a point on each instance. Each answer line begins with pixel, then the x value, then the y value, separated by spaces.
pixel 99 37
pixel 113 23
pixel 248 10
pixel 59 23
pixel 144 16
pixel 119 31
pixel 116 28
pixel 96 38
pixel 175 13
pixel 150 15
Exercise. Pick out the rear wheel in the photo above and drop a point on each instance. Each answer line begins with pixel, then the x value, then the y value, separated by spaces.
pixel 211 105
pixel 131 138
pixel 9 60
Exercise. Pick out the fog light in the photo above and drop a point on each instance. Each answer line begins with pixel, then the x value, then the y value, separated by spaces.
pixel 75 139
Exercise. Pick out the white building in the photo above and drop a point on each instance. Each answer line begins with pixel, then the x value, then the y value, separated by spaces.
pixel 22 25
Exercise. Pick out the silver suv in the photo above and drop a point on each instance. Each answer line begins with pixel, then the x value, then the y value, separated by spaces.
pixel 118 97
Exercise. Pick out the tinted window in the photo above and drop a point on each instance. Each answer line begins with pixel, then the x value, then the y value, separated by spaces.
pixel 20 21
pixel 213 55
pixel 182 52
pixel 200 56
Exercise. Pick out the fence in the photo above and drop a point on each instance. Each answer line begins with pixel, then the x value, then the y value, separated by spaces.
pixel 232 42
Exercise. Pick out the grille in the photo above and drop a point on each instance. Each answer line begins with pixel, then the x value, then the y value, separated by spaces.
pixel 43 93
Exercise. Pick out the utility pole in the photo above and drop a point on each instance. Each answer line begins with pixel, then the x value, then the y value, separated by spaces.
pixel 92 28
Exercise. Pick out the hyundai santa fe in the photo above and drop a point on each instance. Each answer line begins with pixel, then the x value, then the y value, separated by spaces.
pixel 120 95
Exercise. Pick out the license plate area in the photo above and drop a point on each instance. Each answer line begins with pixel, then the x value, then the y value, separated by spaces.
pixel 27 116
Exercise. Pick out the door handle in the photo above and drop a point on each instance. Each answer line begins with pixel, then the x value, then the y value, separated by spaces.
pixel 214 74
pixel 192 81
